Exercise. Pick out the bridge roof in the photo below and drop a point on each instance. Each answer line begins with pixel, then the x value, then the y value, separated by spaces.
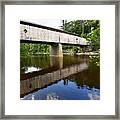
pixel 45 27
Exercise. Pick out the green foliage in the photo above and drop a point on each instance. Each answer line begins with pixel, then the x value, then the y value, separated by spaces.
pixel 73 27
pixel 89 29
pixel 95 60
pixel 67 49
pixel 30 49
pixel 94 39
pixel 24 49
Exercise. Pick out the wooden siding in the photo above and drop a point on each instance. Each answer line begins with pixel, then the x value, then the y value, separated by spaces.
pixel 32 33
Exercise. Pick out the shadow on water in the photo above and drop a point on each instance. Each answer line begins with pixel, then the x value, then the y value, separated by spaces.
pixel 52 78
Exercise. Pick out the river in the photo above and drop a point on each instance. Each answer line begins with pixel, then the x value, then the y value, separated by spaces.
pixel 43 77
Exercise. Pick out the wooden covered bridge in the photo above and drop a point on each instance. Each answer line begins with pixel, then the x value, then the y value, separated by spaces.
pixel 34 33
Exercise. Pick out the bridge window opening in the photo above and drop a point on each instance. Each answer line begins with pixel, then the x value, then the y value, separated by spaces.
pixel 25 30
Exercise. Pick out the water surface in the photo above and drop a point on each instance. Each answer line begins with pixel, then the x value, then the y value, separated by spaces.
pixel 53 78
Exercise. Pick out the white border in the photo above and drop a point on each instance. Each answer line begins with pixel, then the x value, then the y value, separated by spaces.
pixel 104 106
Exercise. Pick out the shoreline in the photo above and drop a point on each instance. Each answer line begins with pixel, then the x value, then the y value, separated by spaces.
pixel 72 54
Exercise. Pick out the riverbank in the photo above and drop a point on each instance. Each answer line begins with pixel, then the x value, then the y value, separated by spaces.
pixel 86 53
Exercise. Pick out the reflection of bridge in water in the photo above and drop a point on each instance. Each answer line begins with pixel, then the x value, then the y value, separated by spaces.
pixel 36 82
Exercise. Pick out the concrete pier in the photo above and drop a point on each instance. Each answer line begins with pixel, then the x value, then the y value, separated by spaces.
pixel 56 50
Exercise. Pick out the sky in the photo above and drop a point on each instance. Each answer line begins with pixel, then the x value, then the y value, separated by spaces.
pixel 50 23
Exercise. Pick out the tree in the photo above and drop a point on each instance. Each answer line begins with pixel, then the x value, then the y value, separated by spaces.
pixel 89 29
pixel 73 27
pixel 94 39
pixel 29 49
